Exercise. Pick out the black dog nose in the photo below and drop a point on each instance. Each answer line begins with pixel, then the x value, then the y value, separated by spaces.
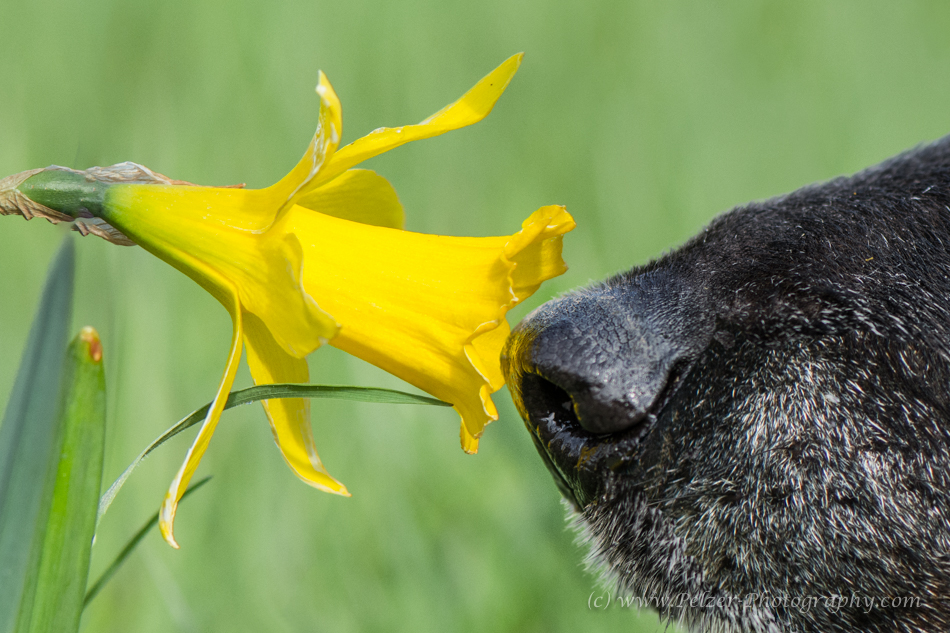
pixel 605 356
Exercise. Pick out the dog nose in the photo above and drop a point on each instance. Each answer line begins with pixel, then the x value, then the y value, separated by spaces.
pixel 600 358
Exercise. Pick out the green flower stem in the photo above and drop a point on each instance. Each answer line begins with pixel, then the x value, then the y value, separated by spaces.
pixel 67 191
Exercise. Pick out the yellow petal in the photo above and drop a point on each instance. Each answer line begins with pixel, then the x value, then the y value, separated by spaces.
pixel 429 309
pixel 265 267
pixel 471 108
pixel 534 252
pixel 358 195
pixel 270 281
pixel 289 417
pixel 324 144
pixel 179 485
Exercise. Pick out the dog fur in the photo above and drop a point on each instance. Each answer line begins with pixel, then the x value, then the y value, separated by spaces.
pixel 754 429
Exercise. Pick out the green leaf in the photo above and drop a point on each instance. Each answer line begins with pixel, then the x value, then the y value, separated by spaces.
pixel 27 440
pixel 130 546
pixel 338 392
pixel 64 561
pixel 267 392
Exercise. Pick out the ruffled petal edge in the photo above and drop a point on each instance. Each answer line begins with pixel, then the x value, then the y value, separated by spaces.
pixel 538 246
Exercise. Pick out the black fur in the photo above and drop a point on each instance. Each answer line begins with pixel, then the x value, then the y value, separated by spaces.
pixel 759 421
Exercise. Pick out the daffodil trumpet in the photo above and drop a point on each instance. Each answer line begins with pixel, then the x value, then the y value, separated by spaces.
pixel 319 257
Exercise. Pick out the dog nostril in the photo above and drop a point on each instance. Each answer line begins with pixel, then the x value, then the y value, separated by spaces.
pixel 612 360
pixel 603 408
pixel 541 399
pixel 566 401
pixel 551 372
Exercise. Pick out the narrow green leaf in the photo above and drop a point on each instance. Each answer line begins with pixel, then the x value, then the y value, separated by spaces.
pixel 64 562
pixel 338 392
pixel 110 571
pixel 267 392
pixel 27 439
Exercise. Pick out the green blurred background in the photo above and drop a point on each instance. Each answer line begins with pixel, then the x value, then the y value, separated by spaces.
pixel 644 118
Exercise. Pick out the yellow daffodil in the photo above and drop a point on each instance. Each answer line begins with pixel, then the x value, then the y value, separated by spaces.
pixel 320 257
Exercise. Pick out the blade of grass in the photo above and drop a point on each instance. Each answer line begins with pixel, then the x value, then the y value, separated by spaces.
pixel 77 475
pixel 110 571
pixel 28 436
pixel 266 392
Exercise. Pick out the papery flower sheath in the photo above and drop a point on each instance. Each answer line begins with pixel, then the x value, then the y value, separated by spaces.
pixel 320 257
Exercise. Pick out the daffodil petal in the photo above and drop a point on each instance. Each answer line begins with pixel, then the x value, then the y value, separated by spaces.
pixel 271 287
pixel 471 108
pixel 289 417
pixel 535 255
pixel 358 195
pixel 321 149
pixel 179 485
pixel 532 256
pixel 427 308
pixel 265 267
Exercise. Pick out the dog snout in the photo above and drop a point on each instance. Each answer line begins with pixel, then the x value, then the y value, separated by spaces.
pixel 593 361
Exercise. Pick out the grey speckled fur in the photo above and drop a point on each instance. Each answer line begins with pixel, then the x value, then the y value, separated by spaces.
pixel 754 430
